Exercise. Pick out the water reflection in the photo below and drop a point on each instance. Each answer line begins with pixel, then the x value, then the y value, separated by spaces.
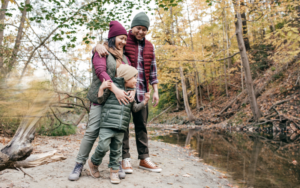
pixel 253 160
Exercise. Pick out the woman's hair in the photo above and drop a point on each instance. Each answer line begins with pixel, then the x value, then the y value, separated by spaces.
pixel 112 42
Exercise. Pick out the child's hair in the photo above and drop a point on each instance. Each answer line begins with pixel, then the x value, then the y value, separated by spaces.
pixel 126 72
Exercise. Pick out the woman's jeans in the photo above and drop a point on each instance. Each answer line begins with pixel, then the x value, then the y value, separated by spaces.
pixel 109 139
pixel 91 134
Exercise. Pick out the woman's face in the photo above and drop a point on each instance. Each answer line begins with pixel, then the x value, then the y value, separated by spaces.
pixel 131 83
pixel 139 32
pixel 120 41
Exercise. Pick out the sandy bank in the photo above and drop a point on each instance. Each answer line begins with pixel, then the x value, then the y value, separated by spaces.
pixel 180 169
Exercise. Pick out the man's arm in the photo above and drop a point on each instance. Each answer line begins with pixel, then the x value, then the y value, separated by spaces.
pixel 100 49
pixel 154 80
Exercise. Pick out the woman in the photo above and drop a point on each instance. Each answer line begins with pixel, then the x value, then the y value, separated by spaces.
pixel 102 68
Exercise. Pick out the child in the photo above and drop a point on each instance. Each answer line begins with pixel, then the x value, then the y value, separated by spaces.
pixel 115 120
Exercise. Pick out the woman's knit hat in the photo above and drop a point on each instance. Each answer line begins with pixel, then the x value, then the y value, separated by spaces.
pixel 126 72
pixel 116 29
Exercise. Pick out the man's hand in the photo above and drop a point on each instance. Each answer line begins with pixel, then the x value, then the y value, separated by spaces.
pixel 147 97
pixel 155 98
pixel 132 95
pixel 101 50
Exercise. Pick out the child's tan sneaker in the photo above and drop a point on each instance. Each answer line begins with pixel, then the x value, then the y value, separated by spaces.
pixel 93 169
pixel 114 176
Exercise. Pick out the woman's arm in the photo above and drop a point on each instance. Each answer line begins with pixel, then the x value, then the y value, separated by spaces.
pixel 99 64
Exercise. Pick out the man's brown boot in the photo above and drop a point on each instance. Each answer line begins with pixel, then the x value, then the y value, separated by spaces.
pixel 147 164
pixel 114 176
pixel 93 169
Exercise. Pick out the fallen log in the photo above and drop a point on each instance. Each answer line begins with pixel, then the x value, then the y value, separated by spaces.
pixel 231 102
pixel 40 159
pixel 15 154
pixel 160 113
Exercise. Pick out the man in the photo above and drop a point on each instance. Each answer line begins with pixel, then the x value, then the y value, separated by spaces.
pixel 142 56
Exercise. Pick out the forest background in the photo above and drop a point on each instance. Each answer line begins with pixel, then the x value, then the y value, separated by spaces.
pixel 218 61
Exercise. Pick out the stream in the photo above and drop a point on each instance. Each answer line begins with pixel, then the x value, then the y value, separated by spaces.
pixel 250 159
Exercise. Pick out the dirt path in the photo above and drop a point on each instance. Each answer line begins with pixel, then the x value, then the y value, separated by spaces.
pixel 179 169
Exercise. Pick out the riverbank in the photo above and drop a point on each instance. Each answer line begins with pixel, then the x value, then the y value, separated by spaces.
pixel 180 168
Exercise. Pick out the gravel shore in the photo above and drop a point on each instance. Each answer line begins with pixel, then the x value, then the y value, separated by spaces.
pixel 180 168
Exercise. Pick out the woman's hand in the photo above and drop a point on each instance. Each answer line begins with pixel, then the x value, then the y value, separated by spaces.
pixel 122 96
pixel 101 50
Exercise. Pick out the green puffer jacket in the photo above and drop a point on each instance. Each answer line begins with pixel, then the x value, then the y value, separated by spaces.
pixel 114 115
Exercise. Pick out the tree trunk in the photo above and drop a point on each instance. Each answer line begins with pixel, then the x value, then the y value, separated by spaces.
pixel 177 97
pixel 172 26
pixel 244 57
pixel 227 45
pixel 224 64
pixel 206 79
pixel 185 98
pixel 245 29
pixel 200 90
pixel 192 44
pixel 2 27
pixel 196 79
pixel 242 75
pixel 18 39
pixel 196 91
pixel 298 18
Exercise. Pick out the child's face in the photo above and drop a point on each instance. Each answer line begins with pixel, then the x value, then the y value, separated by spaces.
pixel 131 83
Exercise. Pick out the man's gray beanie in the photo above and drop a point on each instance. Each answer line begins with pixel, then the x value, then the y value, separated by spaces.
pixel 141 19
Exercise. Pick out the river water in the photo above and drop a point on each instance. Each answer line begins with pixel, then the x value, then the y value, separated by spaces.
pixel 250 159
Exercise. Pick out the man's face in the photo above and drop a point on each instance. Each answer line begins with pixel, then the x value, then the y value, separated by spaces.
pixel 139 32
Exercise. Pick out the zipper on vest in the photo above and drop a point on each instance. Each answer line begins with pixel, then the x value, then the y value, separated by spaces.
pixel 121 117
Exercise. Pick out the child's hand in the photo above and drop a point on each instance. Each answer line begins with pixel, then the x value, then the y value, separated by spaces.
pixel 147 97
pixel 105 84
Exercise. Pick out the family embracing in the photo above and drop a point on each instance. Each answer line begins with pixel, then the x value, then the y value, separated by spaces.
pixel 123 67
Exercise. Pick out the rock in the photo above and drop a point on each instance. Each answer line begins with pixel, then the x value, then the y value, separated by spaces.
pixel 198 122
pixel 185 122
